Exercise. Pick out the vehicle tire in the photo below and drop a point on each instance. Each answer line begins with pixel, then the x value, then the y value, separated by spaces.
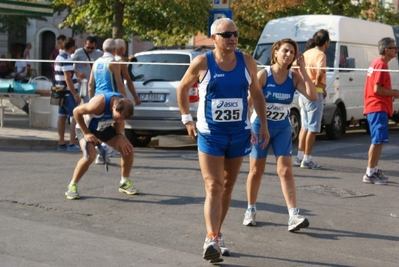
pixel 295 120
pixel 137 140
pixel 334 129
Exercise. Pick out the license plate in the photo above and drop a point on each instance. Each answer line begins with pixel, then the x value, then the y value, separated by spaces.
pixel 152 97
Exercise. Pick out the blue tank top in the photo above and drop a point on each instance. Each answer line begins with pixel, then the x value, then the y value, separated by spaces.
pixel 104 120
pixel 105 81
pixel 222 108
pixel 278 98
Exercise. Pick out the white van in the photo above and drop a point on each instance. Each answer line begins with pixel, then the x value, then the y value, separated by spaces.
pixel 354 44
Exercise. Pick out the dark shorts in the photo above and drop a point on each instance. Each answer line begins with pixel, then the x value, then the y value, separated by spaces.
pixel 105 135
pixel 68 107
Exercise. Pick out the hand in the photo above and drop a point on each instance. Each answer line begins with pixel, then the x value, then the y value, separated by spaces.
pixel 123 145
pixel 77 98
pixel 90 138
pixel 396 95
pixel 191 130
pixel 137 101
pixel 264 136
pixel 300 61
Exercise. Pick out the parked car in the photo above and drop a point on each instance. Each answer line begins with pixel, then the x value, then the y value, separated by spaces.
pixel 156 83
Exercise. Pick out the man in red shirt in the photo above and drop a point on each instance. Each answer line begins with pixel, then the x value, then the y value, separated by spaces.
pixel 378 97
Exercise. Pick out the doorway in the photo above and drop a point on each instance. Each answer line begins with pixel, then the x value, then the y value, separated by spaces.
pixel 48 42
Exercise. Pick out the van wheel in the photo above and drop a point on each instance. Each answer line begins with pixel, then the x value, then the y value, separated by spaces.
pixel 137 140
pixel 295 120
pixel 334 129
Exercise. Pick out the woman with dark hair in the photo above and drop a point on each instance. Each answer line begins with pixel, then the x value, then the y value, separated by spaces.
pixel 278 84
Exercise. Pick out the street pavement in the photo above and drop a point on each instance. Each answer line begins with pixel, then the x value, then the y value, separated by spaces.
pixel 351 223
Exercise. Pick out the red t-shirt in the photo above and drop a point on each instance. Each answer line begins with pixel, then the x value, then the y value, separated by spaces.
pixel 372 101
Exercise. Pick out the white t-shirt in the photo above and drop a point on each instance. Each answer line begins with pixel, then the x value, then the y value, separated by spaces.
pixel 19 65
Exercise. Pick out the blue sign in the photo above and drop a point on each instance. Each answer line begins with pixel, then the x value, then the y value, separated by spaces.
pixel 217 14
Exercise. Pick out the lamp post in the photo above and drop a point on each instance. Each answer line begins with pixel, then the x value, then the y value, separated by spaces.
pixel 331 4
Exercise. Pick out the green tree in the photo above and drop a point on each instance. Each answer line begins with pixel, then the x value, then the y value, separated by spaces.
pixel 165 22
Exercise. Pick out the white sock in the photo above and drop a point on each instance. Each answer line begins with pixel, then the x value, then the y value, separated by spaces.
pixel 123 180
pixel 307 158
pixel 300 154
pixel 370 171
pixel 293 211
pixel 251 207
pixel 72 183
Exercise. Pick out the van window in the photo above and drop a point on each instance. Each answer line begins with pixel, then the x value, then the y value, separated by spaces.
pixel 156 72
pixel 343 55
pixel 262 53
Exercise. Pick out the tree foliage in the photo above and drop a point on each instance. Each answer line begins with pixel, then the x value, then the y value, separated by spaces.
pixel 165 22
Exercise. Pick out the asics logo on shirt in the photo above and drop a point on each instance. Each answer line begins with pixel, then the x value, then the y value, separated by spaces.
pixel 227 104
pixel 273 107
pixel 218 75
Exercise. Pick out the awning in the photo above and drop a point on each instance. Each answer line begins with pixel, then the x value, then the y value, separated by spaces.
pixel 26 7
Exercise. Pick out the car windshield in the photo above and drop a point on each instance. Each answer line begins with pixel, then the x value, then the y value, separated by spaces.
pixel 262 53
pixel 158 72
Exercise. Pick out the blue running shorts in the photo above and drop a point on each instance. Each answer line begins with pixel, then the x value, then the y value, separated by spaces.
pixel 229 146
pixel 280 140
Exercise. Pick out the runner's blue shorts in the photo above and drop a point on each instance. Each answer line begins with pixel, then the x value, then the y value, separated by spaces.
pixel 280 140
pixel 229 145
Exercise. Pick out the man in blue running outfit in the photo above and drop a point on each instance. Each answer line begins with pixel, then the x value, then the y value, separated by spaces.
pixel 102 120
pixel 225 77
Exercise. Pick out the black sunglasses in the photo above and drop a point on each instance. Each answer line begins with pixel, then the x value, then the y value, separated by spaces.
pixel 89 48
pixel 227 34
pixel 393 48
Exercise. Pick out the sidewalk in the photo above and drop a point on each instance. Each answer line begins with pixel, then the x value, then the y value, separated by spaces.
pixel 17 134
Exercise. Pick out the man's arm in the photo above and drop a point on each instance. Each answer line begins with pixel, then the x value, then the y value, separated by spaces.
pixel 130 85
pixel 95 106
pixel 70 85
pixel 258 100
pixel 91 89
pixel 116 70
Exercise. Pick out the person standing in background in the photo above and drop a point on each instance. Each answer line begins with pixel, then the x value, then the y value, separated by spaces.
pixel 87 53
pixel 312 111
pixel 26 54
pixel 378 98
pixel 56 51
pixel 66 78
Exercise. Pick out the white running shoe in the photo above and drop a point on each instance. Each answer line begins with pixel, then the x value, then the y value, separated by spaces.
pixel 100 160
pixel 212 250
pixel 249 218
pixel 224 250
pixel 296 222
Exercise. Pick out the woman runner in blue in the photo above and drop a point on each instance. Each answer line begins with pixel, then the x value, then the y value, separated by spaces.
pixel 279 84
